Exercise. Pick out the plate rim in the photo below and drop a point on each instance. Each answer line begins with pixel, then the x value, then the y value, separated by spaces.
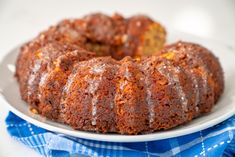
pixel 117 137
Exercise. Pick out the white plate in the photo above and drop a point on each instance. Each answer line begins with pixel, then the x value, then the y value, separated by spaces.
pixel 224 109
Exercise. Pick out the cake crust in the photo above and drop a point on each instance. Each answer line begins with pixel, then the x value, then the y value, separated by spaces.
pixel 111 74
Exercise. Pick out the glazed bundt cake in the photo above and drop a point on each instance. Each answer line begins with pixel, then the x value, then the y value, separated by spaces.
pixel 108 74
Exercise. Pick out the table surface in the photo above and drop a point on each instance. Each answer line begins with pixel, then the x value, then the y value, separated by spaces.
pixel 22 20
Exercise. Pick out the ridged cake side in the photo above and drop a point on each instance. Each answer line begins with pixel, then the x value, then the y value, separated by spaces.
pixel 97 74
pixel 134 96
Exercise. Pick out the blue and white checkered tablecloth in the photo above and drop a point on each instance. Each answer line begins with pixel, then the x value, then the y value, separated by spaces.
pixel 215 141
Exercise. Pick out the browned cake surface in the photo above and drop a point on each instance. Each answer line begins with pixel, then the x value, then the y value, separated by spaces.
pixel 98 74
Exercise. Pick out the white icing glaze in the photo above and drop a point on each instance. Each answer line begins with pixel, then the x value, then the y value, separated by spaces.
pixel 99 68
pixel 196 90
pixel 150 106
pixel 71 78
pixel 149 100
pixel 113 71
pixel 127 75
pixel 42 82
pixel 43 79
pixel 94 101
pixel 32 76
pixel 205 81
pixel 123 84
pixel 191 74
pixel 169 72
pixel 69 82
pixel 205 69
pixel 204 77
pixel 93 87
pixel 112 104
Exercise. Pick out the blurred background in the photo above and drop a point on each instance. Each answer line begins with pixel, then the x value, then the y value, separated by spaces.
pixel 21 20
pixel 24 19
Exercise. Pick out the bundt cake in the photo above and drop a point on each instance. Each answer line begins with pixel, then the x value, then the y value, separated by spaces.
pixel 108 74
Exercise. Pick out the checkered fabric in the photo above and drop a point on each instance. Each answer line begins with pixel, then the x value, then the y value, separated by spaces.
pixel 215 141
